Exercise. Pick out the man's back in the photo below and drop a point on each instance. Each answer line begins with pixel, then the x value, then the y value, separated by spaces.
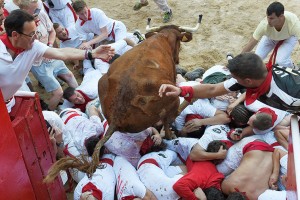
pixel 259 163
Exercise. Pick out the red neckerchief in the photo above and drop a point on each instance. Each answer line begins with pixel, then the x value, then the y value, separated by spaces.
pixel 67 35
pixel 90 187
pixel 5 12
pixel 146 146
pixel 37 22
pixel 253 94
pixel 270 112
pixel 89 18
pixel 189 117
pixel 82 106
pixel 73 11
pixel 4 38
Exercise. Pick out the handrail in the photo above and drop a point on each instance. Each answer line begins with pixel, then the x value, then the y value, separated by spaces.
pixel 292 187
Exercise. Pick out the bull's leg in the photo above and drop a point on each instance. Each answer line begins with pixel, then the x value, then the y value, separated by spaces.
pixel 96 154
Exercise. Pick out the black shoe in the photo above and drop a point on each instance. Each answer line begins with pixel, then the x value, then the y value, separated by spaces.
pixel 40 85
pixel 138 34
pixel 196 73
pixel 180 70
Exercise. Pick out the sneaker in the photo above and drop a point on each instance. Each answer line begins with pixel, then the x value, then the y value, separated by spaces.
pixel 139 5
pixel 229 56
pixel 167 16
pixel 195 74
pixel 139 36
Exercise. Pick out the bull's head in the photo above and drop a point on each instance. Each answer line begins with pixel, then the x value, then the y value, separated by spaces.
pixel 183 34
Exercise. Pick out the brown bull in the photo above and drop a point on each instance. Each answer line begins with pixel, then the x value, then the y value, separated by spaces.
pixel 129 91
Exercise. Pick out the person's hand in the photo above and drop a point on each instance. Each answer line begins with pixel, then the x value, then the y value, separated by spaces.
pixel 273 182
pixel 92 110
pixel 169 90
pixel 284 180
pixel 222 153
pixel 85 46
pixel 234 135
pixel 58 135
pixel 51 132
pixel 105 52
pixel 156 139
pixel 194 124
pixel 200 194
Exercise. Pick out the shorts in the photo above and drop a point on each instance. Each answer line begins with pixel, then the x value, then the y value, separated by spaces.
pixel 47 72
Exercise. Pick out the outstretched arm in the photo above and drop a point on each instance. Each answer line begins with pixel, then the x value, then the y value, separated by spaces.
pixel 199 91
pixel 103 51
pixel 250 45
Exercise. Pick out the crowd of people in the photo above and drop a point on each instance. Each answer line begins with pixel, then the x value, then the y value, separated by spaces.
pixel 230 141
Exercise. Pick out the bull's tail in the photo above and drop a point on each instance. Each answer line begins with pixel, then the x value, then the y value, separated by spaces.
pixel 64 164
pixel 95 162
pixel 79 163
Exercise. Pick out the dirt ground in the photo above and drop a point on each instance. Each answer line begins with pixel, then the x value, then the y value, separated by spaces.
pixel 227 25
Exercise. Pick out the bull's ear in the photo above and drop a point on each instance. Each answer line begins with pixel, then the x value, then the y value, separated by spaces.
pixel 147 35
pixel 186 37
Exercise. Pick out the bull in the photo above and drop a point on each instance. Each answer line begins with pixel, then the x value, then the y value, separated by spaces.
pixel 129 91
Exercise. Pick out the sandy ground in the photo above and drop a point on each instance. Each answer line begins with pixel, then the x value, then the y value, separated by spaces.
pixel 227 25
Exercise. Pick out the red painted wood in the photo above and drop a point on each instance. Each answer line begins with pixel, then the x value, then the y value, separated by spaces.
pixel 30 145
pixel 14 179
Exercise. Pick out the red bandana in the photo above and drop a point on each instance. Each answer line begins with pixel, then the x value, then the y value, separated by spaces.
pixel 4 38
pixel 270 112
pixel 67 35
pixel 253 94
pixel 189 117
pixel 92 188
pixel 89 18
pixel 37 22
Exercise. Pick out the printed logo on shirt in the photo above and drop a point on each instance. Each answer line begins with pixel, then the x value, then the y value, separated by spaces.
pixel 162 155
pixel 176 142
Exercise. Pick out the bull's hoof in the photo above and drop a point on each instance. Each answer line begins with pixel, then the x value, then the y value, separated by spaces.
pixel 196 73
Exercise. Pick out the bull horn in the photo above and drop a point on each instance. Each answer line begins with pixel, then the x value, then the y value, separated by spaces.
pixel 148 29
pixel 190 29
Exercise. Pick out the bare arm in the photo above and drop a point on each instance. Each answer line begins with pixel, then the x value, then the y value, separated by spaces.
pixel 199 154
pixel 51 37
pixel 239 100
pixel 103 51
pixel 275 173
pixel 99 38
pixel 251 44
pixel 200 91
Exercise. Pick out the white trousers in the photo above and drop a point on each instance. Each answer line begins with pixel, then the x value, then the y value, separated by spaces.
pixel 283 58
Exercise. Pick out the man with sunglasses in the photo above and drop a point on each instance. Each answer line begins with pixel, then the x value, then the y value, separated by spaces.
pixel 19 49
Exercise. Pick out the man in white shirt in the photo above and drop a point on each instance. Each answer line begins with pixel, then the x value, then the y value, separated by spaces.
pixel 95 21
pixel 19 49
pixel 278 25
pixel 61 11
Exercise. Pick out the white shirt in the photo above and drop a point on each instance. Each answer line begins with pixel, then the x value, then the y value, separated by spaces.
pixel 214 132
pixel 75 41
pixel 14 72
pixel 99 20
pixel 103 179
pixel 201 107
pixel 58 4
pixel 127 145
pixel 80 128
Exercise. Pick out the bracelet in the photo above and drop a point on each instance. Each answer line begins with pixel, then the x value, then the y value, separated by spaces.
pixel 50 45
pixel 86 54
pixel 90 56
